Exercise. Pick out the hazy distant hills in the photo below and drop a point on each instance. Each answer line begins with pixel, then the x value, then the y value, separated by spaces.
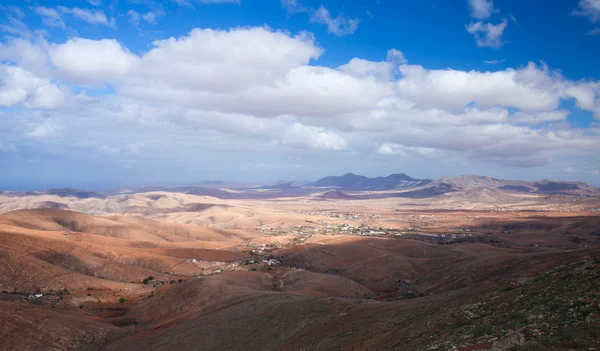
pixel 351 181
pixel 394 185
pixel 544 186
pixel 468 187
pixel 62 192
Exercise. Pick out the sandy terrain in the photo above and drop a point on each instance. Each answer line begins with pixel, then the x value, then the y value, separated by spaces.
pixel 161 271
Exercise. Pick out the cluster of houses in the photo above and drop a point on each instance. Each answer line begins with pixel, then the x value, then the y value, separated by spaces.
pixel 343 216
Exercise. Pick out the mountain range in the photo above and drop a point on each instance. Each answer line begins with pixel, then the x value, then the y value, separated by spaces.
pixel 401 184
pixel 401 181
pixel 351 181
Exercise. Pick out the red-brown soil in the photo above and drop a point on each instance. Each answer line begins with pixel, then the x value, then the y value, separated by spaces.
pixel 118 282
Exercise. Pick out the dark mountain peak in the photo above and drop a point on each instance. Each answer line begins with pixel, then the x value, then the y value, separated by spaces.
pixel 351 181
pixel 352 175
pixel 399 176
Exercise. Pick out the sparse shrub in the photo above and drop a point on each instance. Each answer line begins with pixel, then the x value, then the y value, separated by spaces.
pixel 90 288
pixel 516 316
pixel 122 300
pixel 482 329
pixel 89 294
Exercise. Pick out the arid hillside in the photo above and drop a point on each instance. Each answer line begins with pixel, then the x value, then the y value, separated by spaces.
pixel 171 272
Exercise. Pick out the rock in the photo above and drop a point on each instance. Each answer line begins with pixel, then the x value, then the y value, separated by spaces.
pixel 470 315
pixel 512 339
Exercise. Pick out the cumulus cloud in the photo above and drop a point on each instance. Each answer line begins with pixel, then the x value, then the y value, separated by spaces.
pixel 380 70
pixel 488 34
pixel 530 88
pixel 20 87
pixel 313 137
pixel 262 90
pixel 341 25
pixel 87 61
pixel 481 9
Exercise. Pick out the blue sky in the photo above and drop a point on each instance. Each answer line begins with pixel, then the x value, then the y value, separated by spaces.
pixel 106 93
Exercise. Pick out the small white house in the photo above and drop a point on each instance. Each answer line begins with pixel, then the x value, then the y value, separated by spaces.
pixel 272 262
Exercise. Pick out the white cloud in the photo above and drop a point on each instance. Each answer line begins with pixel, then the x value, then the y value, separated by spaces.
pixel 94 2
pixel 538 118
pixel 87 61
pixel 380 70
pixel 50 16
pixel 150 17
pixel 493 62
pixel 313 137
pixel 47 128
pixel 488 34
pixel 390 149
pixel 293 6
pixel 530 88
pixel 14 24
pixel 590 9
pixel 31 56
pixel 341 25
pixel 396 57
pixel 90 16
pixel 261 90
pixel 134 17
pixel 221 61
pixel 481 9
pixel 19 87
